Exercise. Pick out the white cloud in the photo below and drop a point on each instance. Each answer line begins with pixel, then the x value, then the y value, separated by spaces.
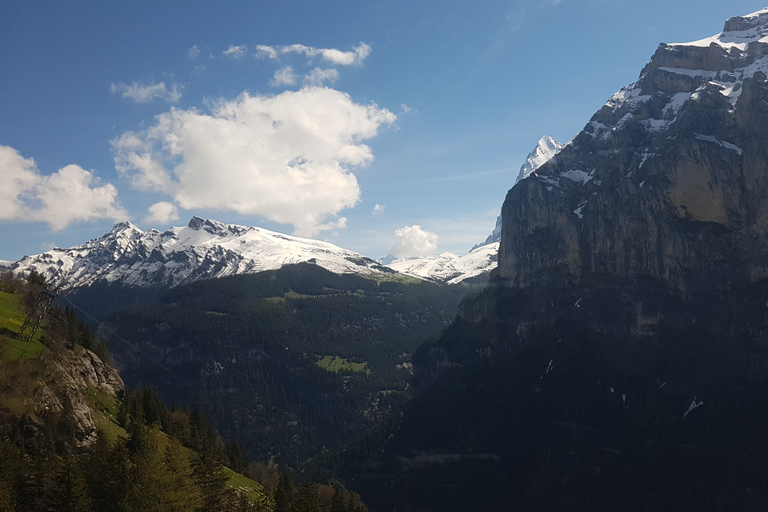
pixel 414 242
pixel 68 195
pixel 378 209
pixel 161 213
pixel 318 77
pixel 235 52
pixel 286 157
pixel 19 176
pixel 193 52
pixel 265 52
pixel 283 76
pixel 338 57
pixel 144 93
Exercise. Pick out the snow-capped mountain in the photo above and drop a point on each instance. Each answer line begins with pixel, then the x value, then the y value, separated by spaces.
pixel 667 180
pixel 449 267
pixel 482 258
pixel 203 249
pixel 545 149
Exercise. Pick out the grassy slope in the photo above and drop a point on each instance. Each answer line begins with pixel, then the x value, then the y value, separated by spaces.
pixel 21 360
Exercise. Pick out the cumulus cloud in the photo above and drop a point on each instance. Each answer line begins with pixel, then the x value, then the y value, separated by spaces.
pixel 162 213
pixel 414 243
pixel 193 52
pixel 338 57
pixel 283 76
pixel 69 195
pixel 378 209
pixel 235 52
pixel 318 77
pixel 287 157
pixel 145 92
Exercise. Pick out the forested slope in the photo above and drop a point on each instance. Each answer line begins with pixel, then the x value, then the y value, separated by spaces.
pixel 289 361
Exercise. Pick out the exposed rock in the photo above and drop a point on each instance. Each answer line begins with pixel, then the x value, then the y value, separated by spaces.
pixel 668 180
pixel 71 386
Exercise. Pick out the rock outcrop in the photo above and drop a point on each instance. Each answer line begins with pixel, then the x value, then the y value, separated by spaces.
pixel 62 392
pixel 669 179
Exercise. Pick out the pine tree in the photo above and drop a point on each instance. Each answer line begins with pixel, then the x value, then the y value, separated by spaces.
pixel 284 494
pixel 211 480
pixel 306 498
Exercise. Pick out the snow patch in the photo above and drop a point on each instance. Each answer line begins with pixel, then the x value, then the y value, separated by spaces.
pixel 577 175
pixel 727 145
pixel 578 213
pixel 693 406
pixel 645 156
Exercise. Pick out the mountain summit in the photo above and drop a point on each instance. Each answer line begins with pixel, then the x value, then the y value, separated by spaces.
pixel 203 249
pixel 668 179
pixel 545 150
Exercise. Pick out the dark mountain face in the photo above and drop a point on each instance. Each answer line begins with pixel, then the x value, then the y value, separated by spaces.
pixel 619 361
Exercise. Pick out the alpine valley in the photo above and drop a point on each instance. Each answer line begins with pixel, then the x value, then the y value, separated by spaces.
pixel 605 349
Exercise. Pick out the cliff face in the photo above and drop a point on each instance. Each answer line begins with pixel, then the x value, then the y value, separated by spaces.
pixel 669 179
pixel 620 360
pixel 64 393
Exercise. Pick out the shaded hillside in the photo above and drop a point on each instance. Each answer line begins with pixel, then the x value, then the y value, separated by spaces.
pixel 635 400
pixel 287 361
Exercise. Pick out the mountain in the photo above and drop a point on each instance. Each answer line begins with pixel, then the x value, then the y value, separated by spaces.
pixel 204 249
pixel 482 258
pixel 619 358
pixel 666 180
pixel 545 150
pixel 128 265
pixel 451 268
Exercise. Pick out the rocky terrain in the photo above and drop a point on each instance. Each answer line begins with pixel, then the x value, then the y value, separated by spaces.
pixel 666 180
pixel 68 392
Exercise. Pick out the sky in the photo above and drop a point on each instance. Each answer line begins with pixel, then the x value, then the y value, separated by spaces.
pixel 380 126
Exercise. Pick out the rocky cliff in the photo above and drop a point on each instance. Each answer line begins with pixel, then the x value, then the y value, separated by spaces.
pixel 669 179
pixel 58 393
pixel 620 359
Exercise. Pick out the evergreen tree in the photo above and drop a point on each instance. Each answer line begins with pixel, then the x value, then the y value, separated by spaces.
pixel 306 498
pixel 178 490
pixel 211 480
pixel 75 496
pixel 284 494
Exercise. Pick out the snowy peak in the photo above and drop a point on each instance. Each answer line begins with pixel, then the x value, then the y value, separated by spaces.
pixel 713 69
pixel 450 268
pixel 203 249
pixel 545 149
pixel 680 151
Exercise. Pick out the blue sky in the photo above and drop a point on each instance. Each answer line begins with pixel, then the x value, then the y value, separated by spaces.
pixel 343 121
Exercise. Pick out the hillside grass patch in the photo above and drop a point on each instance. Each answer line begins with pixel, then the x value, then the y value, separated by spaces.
pixel 336 364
